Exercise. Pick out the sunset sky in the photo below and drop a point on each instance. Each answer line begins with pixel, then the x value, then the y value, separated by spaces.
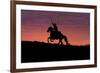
pixel 76 26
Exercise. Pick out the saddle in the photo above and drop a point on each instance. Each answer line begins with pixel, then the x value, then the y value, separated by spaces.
pixel 56 34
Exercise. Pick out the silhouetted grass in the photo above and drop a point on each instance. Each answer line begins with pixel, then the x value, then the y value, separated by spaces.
pixel 41 52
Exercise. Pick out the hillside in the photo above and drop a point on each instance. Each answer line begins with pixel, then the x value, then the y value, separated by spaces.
pixel 41 52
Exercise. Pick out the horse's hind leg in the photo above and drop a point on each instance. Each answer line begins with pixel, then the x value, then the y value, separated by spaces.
pixel 60 42
pixel 48 39
pixel 66 40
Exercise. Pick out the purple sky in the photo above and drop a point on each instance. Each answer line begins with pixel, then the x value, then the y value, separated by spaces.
pixel 76 26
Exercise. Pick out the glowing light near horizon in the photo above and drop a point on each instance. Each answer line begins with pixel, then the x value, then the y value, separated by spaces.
pixel 76 26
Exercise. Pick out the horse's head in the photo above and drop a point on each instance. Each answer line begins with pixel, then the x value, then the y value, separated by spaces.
pixel 50 29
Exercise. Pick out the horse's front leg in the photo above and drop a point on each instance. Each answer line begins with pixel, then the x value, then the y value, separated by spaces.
pixel 59 42
pixel 48 39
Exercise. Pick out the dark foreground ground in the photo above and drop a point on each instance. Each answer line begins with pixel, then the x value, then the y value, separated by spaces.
pixel 43 52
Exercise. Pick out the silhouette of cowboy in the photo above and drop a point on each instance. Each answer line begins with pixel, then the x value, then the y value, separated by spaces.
pixel 55 27
pixel 55 34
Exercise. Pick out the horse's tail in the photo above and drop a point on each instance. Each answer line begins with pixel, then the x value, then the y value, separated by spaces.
pixel 66 40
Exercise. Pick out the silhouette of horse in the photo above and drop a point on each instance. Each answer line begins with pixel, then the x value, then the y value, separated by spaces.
pixel 56 36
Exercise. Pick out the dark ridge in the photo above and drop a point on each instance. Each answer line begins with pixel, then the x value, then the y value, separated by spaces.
pixel 42 52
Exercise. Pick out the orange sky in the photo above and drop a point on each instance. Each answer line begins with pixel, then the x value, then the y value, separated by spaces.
pixel 75 26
